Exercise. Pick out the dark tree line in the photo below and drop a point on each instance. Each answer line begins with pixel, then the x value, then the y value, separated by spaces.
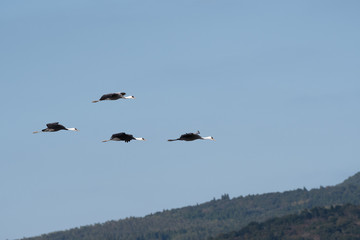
pixel 334 223
pixel 214 217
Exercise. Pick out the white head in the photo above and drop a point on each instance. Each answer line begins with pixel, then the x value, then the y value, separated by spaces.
pixel 209 138
pixel 129 97
pixel 72 129
pixel 140 139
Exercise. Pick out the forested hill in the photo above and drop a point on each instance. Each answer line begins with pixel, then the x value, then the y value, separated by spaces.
pixel 334 223
pixel 217 216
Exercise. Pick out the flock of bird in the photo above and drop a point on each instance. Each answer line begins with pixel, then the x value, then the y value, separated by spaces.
pixel 55 126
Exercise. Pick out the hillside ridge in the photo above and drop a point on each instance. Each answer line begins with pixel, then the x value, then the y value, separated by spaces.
pixel 352 180
pixel 214 217
pixel 331 223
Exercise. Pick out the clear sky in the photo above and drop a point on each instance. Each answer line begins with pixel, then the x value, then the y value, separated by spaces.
pixel 276 83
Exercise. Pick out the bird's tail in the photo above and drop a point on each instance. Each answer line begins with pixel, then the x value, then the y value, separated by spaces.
pixel 105 140
pixel 171 140
pixel 35 132
pixel 95 101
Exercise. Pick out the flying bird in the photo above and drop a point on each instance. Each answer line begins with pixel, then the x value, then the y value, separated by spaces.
pixel 113 96
pixel 54 127
pixel 191 137
pixel 123 137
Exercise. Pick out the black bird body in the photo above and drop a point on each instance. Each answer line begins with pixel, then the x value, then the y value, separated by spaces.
pixel 113 96
pixel 54 127
pixel 191 137
pixel 123 137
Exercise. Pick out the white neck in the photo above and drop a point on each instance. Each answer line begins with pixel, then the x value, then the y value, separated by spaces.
pixel 129 97
pixel 140 139
pixel 72 129
pixel 208 138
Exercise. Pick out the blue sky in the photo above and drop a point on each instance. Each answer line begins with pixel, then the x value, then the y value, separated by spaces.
pixel 275 83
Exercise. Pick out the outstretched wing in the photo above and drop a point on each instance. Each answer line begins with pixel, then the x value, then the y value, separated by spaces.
pixel 112 96
pixel 118 135
pixel 108 96
pixel 188 136
pixel 52 125
pixel 128 137
pixel 123 136
pixel 55 126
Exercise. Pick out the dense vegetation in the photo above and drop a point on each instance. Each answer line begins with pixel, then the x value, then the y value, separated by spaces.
pixel 215 217
pixel 340 223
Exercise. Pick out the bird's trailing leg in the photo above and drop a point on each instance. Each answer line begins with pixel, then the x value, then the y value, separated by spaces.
pixel 171 140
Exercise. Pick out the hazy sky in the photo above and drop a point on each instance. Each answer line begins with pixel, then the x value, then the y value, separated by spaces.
pixel 276 83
